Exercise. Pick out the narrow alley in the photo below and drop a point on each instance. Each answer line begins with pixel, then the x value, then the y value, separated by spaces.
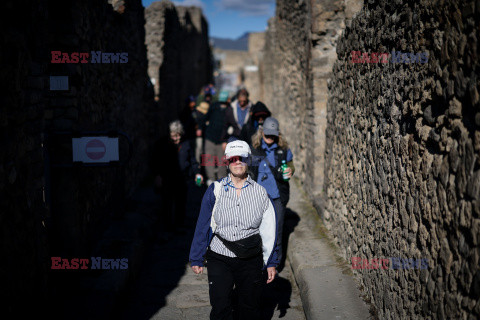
pixel 240 159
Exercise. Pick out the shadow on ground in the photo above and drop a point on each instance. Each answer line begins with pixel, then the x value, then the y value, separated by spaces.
pixel 163 266
pixel 166 288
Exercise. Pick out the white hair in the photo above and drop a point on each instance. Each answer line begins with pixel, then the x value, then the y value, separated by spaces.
pixel 176 127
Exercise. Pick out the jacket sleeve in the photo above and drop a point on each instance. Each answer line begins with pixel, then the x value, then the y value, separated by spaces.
pixel 229 122
pixel 202 231
pixel 194 167
pixel 268 232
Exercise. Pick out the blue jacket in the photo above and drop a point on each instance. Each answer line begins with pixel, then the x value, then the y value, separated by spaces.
pixel 203 232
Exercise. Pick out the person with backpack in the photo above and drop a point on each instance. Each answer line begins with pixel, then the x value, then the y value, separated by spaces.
pixel 270 155
pixel 236 234
pixel 258 113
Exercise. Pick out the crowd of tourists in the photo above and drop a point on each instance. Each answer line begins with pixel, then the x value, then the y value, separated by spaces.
pixel 235 148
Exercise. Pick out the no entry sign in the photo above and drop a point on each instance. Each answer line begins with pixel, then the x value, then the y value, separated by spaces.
pixel 95 149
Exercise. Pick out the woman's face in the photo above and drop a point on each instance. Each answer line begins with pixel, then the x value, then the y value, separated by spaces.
pixel 176 137
pixel 237 166
pixel 269 139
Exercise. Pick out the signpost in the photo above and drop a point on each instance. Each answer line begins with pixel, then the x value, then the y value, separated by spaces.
pixel 92 148
pixel 95 149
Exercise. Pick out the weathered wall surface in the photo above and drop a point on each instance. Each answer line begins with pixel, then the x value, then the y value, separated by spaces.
pixel 403 164
pixel 295 66
pixel 394 146
pixel 22 209
pixel 179 54
pixel 66 206
pixel 287 80
pixel 102 96
pixel 232 61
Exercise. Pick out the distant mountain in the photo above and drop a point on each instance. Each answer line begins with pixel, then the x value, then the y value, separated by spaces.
pixel 241 43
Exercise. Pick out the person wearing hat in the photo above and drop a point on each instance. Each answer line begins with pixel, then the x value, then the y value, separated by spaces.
pixel 236 234
pixel 258 113
pixel 212 126
pixel 270 149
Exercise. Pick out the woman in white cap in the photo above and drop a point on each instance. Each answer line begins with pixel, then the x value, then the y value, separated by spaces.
pixel 236 233
pixel 270 152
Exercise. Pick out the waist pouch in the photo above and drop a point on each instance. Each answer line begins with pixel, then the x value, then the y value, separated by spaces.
pixel 244 248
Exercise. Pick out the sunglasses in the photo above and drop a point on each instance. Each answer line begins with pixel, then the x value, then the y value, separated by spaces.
pixel 237 158
pixel 272 137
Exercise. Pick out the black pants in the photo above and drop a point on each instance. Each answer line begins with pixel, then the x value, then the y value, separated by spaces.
pixel 280 209
pixel 248 278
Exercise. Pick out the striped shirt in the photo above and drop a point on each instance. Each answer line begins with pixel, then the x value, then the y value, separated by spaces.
pixel 238 217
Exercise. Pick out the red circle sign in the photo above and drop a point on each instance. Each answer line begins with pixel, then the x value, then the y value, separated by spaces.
pixel 95 149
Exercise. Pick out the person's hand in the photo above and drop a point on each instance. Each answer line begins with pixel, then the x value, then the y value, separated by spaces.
pixel 289 172
pixel 199 175
pixel 224 145
pixel 271 274
pixel 197 269
pixel 199 133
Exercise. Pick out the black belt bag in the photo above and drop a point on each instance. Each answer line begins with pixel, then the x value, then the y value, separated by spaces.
pixel 244 248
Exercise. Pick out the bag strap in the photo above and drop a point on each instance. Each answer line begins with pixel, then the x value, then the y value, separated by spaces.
pixel 216 191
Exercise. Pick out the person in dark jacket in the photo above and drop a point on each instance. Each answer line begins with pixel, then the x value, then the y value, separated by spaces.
pixel 212 125
pixel 190 118
pixel 270 148
pixel 236 116
pixel 258 113
pixel 175 165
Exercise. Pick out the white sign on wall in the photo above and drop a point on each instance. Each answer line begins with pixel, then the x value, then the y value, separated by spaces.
pixel 95 149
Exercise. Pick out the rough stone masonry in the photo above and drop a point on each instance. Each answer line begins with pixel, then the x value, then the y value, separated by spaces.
pixel 402 141
pixel 51 211
pixel 179 54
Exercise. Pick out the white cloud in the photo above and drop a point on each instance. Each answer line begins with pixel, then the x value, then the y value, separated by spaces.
pixel 247 7
pixel 189 3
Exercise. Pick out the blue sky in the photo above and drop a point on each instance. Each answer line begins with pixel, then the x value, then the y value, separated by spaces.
pixel 232 18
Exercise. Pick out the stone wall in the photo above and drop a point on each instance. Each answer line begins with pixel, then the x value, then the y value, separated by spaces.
pixel 287 80
pixel 179 54
pixel 102 97
pixel 22 209
pixel 50 211
pixel 402 160
pixel 295 66
pixel 395 146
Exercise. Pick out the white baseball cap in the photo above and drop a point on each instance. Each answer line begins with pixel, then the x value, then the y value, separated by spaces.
pixel 237 148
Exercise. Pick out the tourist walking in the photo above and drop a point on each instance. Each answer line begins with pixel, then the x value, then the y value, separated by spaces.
pixel 212 125
pixel 175 165
pixel 236 234
pixel 270 151
pixel 236 116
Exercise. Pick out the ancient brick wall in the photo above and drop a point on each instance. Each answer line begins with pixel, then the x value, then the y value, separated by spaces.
pixel 69 207
pixel 394 146
pixel 402 162
pixel 22 209
pixel 179 54
pixel 295 66
pixel 101 97
pixel 286 78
